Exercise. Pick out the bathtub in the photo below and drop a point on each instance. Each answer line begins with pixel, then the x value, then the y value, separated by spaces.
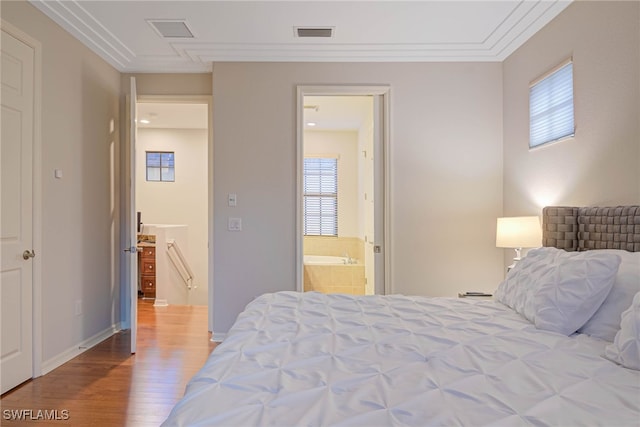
pixel 333 274
pixel 324 260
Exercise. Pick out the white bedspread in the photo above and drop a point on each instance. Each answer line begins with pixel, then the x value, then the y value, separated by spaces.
pixel 295 359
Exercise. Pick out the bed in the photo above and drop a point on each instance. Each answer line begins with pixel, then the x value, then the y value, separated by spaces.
pixel 558 346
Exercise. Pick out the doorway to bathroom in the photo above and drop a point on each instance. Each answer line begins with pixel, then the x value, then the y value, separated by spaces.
pixel 172 176
pixel 342 226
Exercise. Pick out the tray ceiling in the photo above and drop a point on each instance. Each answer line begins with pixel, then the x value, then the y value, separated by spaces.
pixel 128 34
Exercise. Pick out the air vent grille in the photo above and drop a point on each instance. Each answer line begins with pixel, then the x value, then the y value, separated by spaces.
pixel 314 31
pixel 172 29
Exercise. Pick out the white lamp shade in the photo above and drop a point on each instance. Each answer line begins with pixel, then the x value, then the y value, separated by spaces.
pixel 518 232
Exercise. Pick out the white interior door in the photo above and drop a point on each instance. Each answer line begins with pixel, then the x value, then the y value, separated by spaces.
pixel 132 236
pixel 374 194
pixel 16 181
pixel 369 197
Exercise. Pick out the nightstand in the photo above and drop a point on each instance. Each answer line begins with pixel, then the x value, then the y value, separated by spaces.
pixel 475 295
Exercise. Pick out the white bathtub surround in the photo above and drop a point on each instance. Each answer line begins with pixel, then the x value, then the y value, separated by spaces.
pixel 329 260
pixel 333 274
pixel 335 265
pixel 334 246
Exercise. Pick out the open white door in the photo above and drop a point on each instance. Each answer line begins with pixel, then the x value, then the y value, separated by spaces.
pixel 132 236
pixel 16 265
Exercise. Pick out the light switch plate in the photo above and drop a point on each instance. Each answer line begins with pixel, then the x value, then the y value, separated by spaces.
pixel 235 224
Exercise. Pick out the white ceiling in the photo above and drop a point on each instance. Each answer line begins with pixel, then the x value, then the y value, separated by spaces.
pixel 327 112
pixel 336 112
pixel 171 115
pixel 364 30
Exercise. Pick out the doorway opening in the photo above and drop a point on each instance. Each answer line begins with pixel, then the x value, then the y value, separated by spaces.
pixel 172 170
pixel 342 209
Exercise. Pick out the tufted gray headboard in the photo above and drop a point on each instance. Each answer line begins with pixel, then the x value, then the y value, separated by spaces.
pixel 584 228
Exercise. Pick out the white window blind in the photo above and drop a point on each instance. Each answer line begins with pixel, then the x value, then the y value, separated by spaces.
pixel 551 107
pixel 320 210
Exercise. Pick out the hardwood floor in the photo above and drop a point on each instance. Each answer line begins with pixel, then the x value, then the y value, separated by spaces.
pixel 108 386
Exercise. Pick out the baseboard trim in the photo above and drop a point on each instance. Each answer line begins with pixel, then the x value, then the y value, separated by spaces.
pixel 218 336
pixel 70 353
pixel 160 303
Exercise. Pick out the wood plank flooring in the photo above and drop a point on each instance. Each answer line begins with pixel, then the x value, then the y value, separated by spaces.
pixel 108 386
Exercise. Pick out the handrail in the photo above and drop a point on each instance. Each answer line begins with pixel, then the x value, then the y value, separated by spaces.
pixel 180 263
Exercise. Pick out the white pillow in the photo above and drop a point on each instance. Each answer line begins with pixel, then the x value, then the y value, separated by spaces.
pixel 558 290
pixel 625 349
pixel 605 323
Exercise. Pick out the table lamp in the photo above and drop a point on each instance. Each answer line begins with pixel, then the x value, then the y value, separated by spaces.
pixel 517 233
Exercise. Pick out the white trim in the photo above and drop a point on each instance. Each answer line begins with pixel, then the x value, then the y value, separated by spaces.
pixel 218 336
pixel 384 92
pixel 322 156
pixel 160 303
pixel 386 138
pixel 537 80
pixel 551 143
pixel 300 92
pixel 175 99
pixel 210 210
pixel 37 193
pixel 65 356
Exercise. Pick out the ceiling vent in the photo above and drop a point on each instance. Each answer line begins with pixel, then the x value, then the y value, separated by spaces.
pixel 313 31
pixel 171 28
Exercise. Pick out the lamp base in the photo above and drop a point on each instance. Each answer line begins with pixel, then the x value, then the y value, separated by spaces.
pixel 516 259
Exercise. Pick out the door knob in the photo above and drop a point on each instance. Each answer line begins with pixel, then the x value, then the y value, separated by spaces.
pixel 28 254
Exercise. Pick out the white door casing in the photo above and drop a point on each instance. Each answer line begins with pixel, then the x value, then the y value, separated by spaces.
pixel 16 217
pixel 132 223
pixel 381 206
pixel 381 195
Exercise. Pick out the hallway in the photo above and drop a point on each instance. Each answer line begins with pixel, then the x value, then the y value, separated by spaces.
pixel 107 386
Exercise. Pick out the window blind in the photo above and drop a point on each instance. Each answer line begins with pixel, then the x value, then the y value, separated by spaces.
pixel 551 107
pixel 320 186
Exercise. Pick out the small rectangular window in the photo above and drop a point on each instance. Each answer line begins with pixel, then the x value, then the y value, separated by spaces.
pixel 551 116
pixel 320 210
pixel 160 166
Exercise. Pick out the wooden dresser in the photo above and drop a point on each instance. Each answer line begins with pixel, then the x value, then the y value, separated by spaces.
pixel 147 270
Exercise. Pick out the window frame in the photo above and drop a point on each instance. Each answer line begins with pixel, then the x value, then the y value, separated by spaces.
pixel 171 166
pixel 550 87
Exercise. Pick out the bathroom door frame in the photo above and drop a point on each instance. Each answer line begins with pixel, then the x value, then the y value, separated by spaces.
pixel 382 174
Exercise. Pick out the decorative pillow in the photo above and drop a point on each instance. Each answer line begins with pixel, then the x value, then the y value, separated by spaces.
pixel 605 323
pixel 625 349
pixel 558 290
pixel 516 291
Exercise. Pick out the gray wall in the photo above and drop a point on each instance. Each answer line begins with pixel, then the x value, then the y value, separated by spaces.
pixel 601 165
pixel 446 175
pixel 80 94
pixel 446 156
